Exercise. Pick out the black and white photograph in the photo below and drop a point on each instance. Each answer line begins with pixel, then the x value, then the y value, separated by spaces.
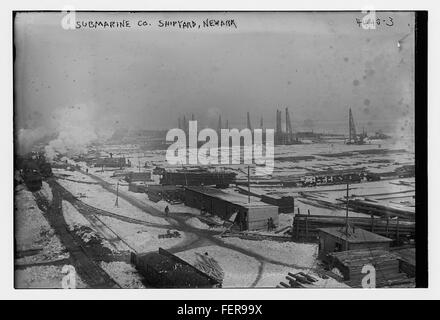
pixel 216 149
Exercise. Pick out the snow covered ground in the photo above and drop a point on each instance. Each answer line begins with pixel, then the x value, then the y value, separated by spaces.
pixel 46 191
pixel 142 238
pixel 196 223
pixel 305 205
pixel 43 277
pixel 239 270
pixel 285 219
pixel 83 228
pixel 124 274
pixel 274 274
pixel 292 253
pixel 33 232
pixel 242 271
pixel 98 197
pixel 72 175
pixel 73 217
pixel 143 197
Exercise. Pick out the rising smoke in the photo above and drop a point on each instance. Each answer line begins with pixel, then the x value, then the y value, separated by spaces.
pixel 74 128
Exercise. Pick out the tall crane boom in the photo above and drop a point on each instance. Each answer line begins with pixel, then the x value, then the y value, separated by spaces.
pixel 288 123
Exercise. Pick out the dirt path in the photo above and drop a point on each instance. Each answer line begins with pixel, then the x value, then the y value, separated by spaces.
pixel 89 271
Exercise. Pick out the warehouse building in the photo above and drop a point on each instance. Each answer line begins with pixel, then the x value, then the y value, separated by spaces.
pixel 253 215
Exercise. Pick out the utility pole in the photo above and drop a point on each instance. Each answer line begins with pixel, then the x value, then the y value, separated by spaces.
pixel 249 184
pixel 346 222
pixel 117 194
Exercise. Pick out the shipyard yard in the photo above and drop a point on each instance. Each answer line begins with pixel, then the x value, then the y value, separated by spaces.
pixel 89 217
pixel 277 151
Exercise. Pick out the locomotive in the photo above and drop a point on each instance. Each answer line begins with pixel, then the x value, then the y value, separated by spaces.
pixel 33 169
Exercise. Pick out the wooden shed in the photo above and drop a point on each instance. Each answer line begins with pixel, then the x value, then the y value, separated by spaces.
pixel 385 263
pixel 253 215
pixel 336 239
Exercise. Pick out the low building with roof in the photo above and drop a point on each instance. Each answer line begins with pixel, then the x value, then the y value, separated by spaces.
pixel 248 215
pixel 337 239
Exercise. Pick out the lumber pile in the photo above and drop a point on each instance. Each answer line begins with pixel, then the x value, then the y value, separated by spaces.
pixel 351 263
pixel 298 280
pixel 209 266
pixel 306 226
pixel 380 210
pixel 256 236
pixel 197 178
pixel 169 234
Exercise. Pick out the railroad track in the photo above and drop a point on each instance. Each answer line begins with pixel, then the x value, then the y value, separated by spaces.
pixel 73 180
pixel 96 211
pixel 90 210
pixel 86 267
pixel 92 215
pixel 203 237
pixel 108 233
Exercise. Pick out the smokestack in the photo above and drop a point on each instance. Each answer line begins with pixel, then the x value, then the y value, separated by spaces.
pixel 278 126
pixel 261 122
pixel 249 121
pixel 219 126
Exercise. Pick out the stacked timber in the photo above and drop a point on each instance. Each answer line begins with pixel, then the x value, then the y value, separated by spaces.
pixel 294 158
pixel 369 207
pixel 352 262
pixel 197 178
pixel 256 236
pixel 306 226
pixel 298 280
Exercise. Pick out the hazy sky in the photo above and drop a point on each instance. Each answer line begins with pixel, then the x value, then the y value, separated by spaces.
pixel 316 64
